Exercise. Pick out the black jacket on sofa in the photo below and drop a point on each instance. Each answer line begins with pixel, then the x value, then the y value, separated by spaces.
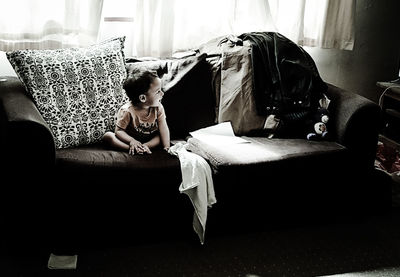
pixel 286 79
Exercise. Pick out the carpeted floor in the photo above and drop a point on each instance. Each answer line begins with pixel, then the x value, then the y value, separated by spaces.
pixel 370 244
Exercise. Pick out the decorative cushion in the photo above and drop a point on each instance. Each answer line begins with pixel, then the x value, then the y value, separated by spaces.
pixel 77 90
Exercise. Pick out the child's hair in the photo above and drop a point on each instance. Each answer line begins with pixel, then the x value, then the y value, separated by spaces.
pixel 139 84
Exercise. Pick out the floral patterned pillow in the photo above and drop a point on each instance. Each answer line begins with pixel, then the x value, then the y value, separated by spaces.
pixel 77 90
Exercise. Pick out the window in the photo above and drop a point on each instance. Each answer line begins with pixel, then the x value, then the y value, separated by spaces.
pixel 117 20
pixel 160 27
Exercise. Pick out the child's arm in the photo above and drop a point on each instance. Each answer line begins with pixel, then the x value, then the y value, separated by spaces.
pixel 123 136
pixel 164 133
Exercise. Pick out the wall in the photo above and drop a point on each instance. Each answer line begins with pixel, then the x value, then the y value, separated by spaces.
pixel 376 53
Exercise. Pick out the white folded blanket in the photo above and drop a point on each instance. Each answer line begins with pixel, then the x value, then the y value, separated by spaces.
pixel 197 183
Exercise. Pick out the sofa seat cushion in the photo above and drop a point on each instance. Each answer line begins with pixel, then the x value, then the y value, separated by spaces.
pixel 103 164
pixel 263 151
pixel 95 175
pixel 94 169
pixel 276 168
pixel 269 179
pixel 97 157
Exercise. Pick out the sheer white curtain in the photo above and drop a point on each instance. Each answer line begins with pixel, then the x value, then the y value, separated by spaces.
pixel 321 23
pixel 160 27
pixel 48 24
pixel 164 26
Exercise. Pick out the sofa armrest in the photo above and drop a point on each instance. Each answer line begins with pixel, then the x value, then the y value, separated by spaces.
pixel 355 123
pixel 26 140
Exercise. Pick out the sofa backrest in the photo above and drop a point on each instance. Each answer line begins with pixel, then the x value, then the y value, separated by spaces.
pixel 190 103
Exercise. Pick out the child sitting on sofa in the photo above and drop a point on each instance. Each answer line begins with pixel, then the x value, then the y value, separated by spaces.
pixel 141 123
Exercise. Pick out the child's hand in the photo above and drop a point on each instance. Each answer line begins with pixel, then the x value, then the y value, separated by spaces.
pixel 146 148
pixel 135 147
pixel 138 148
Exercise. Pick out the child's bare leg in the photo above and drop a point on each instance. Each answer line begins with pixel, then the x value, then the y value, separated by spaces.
pixel 113 141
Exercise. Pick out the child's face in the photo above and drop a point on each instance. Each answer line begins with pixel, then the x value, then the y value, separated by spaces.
pixel 154 94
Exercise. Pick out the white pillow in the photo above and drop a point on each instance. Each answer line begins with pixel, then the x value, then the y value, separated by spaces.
pixel 77 90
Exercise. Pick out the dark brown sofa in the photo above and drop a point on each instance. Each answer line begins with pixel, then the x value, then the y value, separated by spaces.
pixel 92 190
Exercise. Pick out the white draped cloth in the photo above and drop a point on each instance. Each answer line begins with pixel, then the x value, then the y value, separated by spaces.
pixel 197 184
